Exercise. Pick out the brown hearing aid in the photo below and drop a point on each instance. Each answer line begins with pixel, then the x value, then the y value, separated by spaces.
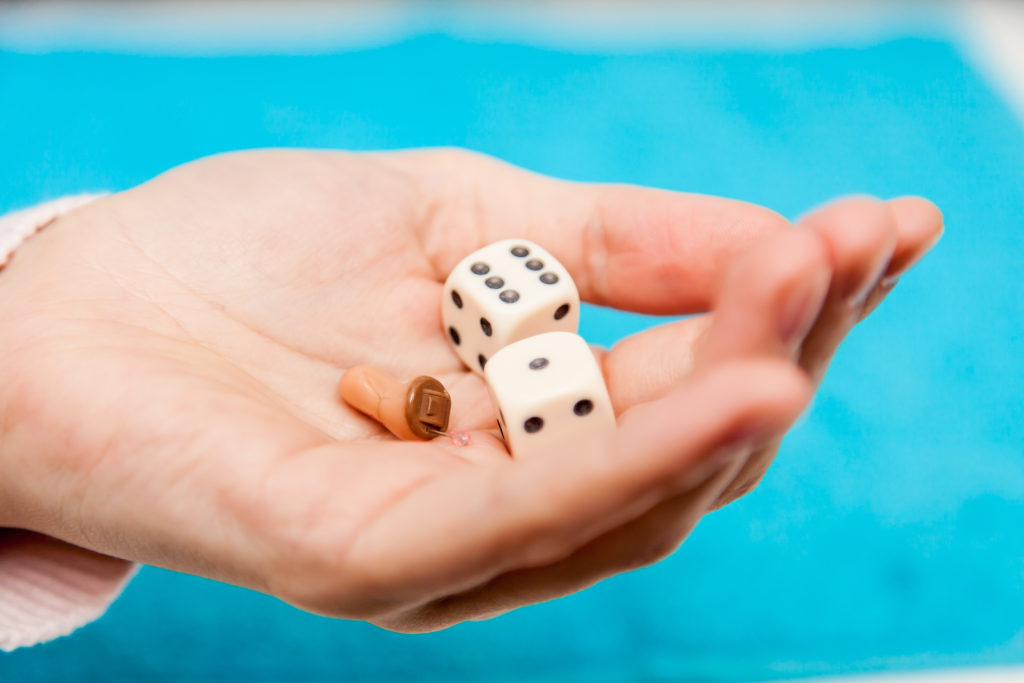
pixel 417 410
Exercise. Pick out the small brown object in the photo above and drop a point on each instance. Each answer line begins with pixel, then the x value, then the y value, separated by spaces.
pixel 417 410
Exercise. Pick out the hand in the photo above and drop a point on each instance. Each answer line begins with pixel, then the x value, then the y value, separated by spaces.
pixel 170 356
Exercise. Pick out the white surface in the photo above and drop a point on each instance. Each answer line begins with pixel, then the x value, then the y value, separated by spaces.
pixel 548 392
pixel 303 26
pixel 1002 675
pixel 533 313
pixel 994 37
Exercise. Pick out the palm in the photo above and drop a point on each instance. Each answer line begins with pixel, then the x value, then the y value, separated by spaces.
pixel 201 325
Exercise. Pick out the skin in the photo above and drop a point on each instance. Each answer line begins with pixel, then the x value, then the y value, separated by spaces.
pixel 171 356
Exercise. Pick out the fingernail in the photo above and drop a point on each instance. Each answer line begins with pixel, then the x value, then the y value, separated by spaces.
pixel 755 435
pixel 801 309
pixel 914 258
pixel 858 296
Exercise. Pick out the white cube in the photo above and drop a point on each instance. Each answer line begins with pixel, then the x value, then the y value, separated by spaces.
pixel 549 390
pixel 507 291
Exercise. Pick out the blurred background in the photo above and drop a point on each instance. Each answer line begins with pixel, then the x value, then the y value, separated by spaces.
pixel 888 535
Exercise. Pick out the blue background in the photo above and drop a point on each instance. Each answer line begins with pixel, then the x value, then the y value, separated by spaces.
pixel 887 535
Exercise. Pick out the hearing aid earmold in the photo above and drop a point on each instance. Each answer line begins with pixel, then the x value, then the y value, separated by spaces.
pixel 419 409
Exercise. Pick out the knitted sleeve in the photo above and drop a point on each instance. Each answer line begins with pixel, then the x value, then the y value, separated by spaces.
pixel 48 588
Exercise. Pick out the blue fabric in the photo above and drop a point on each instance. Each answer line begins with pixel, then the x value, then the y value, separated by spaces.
pixel 888 534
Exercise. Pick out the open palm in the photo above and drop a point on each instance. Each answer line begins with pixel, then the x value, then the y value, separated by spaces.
pixel 171 355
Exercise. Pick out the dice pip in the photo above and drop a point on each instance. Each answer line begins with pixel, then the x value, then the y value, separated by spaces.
pixel 549 390
pixel 507 291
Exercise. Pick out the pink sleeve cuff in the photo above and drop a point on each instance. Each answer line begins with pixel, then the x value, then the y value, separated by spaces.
pixel 48 588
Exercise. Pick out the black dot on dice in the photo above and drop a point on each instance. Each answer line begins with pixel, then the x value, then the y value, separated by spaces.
pixel 534 264
pixel 520 251
pixel 485 325
pixel 457 299
pixel 454 334
pixel 494 282
pixel 583 407
pixel 562 311
pixel 509 296
pixel 548 278
pixel 533 425
pixel 480 268
pixel 538 363
pixel 481 360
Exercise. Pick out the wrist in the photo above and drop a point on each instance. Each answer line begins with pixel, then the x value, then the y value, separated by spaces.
pixel 16 228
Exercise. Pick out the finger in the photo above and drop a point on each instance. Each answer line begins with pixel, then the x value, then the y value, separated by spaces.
pixel 647 365
pixel 870 242
pixel 746 477
pixel 769 299
pixel 638 543
pixel 919 226
pixel 634 248
pixel 767 302
pixel 472 527
pixel 862 236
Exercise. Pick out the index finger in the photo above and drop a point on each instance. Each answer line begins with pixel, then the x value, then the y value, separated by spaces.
pixel 635 248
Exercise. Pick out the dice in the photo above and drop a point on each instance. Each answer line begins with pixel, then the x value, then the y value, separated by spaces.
pixel 507 291
pixel 511 311
pixel 549 390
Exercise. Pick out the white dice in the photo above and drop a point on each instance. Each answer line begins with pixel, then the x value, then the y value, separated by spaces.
pixel 549 390
pixel 507 291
